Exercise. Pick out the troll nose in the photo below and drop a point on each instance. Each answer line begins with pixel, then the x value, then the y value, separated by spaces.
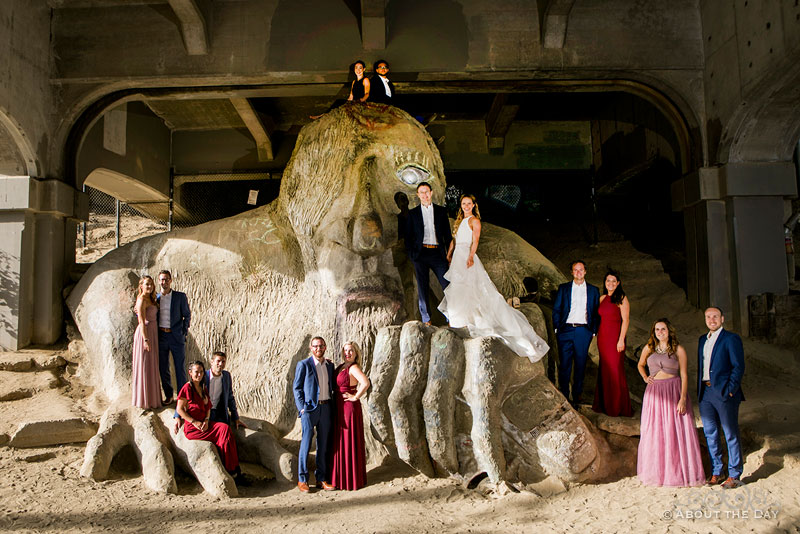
pixel 368 233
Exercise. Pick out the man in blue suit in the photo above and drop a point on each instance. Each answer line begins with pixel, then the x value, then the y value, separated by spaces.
pixel 173 325
pixel 575 322
pixel 313 394
pixel 428 238
pixel 720 367
pixel 219 384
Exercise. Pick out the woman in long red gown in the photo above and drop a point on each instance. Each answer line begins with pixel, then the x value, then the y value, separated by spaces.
pixel 194 406
pixel 611 395
pixel 349 456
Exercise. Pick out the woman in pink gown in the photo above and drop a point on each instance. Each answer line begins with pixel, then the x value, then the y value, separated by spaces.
pixel 611 396
pixel 349 456
pixel 669 450
pixel 146 381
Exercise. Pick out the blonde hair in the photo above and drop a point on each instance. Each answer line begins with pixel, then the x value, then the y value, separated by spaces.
pixel 356 349
pixel 152 294
pixel 460 217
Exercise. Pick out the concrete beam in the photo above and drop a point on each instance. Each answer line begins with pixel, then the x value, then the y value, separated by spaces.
pixel 84 4
pixel 257 128
pixel 373 24
pixel 498 121
pixel 193 26
pixel 554 23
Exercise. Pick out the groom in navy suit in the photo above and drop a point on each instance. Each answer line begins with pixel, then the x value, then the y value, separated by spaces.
pixel 313 394
pixel 173 325
pixel 720 367
pixel 575 322
pixel 427 238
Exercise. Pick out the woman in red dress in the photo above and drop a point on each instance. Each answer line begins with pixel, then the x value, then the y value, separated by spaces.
pixel 194 405
pixel 611 395
pixel 349 456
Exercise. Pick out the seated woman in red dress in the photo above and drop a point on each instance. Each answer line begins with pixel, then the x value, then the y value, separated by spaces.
pixel 349 456
pixel 194 405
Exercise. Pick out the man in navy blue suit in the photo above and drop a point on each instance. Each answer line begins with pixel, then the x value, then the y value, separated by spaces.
pixel 219 384
pixel 313 394
pixel 427 238
pixel 173 326
pixel 575 322
pixel 720 367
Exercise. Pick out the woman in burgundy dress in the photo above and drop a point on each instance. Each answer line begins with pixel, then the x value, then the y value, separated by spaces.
pixel 194 406
pixel 611 395
pixel 145 379
pixel 349 457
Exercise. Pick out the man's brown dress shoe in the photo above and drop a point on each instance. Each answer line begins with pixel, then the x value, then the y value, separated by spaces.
pixel 325 486
pixel 303 486
pixel 731 483
pixel 714 480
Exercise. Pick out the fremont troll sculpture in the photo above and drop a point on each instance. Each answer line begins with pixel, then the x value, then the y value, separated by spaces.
pixel 323 259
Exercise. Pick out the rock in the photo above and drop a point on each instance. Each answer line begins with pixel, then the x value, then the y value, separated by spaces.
pixel 41 457
pixel 56 432
pixel 14 361
pixel 4 438
pixel 200 458
pixel 256 472
pixel 548 487
pixel 624 426
pixel 265 449
pixel 15 386
pixel 44 360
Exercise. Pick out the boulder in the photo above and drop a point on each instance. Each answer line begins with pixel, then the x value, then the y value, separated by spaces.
pixel 55 432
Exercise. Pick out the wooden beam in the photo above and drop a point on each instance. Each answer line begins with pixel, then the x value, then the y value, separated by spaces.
pixel 373 24
pixel 193 26
pixel 258 129
pixel 498 121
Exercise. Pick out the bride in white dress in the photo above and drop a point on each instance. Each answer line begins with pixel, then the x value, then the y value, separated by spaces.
pixel 472 300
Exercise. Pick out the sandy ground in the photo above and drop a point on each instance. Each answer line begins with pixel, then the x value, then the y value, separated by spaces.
pixel 41 490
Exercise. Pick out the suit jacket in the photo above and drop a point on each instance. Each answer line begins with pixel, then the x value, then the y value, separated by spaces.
pixel 179 314
pixel 415 232
pixel 306 385
pixel 226 409
pixel 377 91
pixel 727 366
pixel 563 302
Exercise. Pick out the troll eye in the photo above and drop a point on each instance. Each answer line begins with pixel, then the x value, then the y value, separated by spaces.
pixel 412 175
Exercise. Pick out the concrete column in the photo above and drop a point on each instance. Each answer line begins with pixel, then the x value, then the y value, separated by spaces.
pixel 36 250
pixel 733 218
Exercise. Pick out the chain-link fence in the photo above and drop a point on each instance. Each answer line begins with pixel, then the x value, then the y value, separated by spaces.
pixel 197 199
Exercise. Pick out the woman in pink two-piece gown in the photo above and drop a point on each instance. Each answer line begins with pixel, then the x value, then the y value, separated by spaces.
pixel 145 379
pixel 669 449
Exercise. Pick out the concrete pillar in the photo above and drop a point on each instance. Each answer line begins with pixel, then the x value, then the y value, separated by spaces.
pixel 37 247
pixel 733 218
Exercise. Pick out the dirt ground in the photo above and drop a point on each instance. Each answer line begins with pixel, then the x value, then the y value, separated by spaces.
pixel 41 490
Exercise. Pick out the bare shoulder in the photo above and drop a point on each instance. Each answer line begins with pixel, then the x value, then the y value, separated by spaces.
pixel 474 223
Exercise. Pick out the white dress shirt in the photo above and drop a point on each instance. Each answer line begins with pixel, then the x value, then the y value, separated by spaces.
pixel 386 85
pixel 215 389
pixel 708 348
pixel 163 311
pixel 429 233
pixel 322 377
pixel 577 307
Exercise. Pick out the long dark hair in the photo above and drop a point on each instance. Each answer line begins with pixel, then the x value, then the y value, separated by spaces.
pixel 619 294
pixel 202 366
pixel 672 340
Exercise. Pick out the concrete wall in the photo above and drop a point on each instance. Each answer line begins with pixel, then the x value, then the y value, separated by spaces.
pixel 26 97
pixel 751 78
pixel 144 154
